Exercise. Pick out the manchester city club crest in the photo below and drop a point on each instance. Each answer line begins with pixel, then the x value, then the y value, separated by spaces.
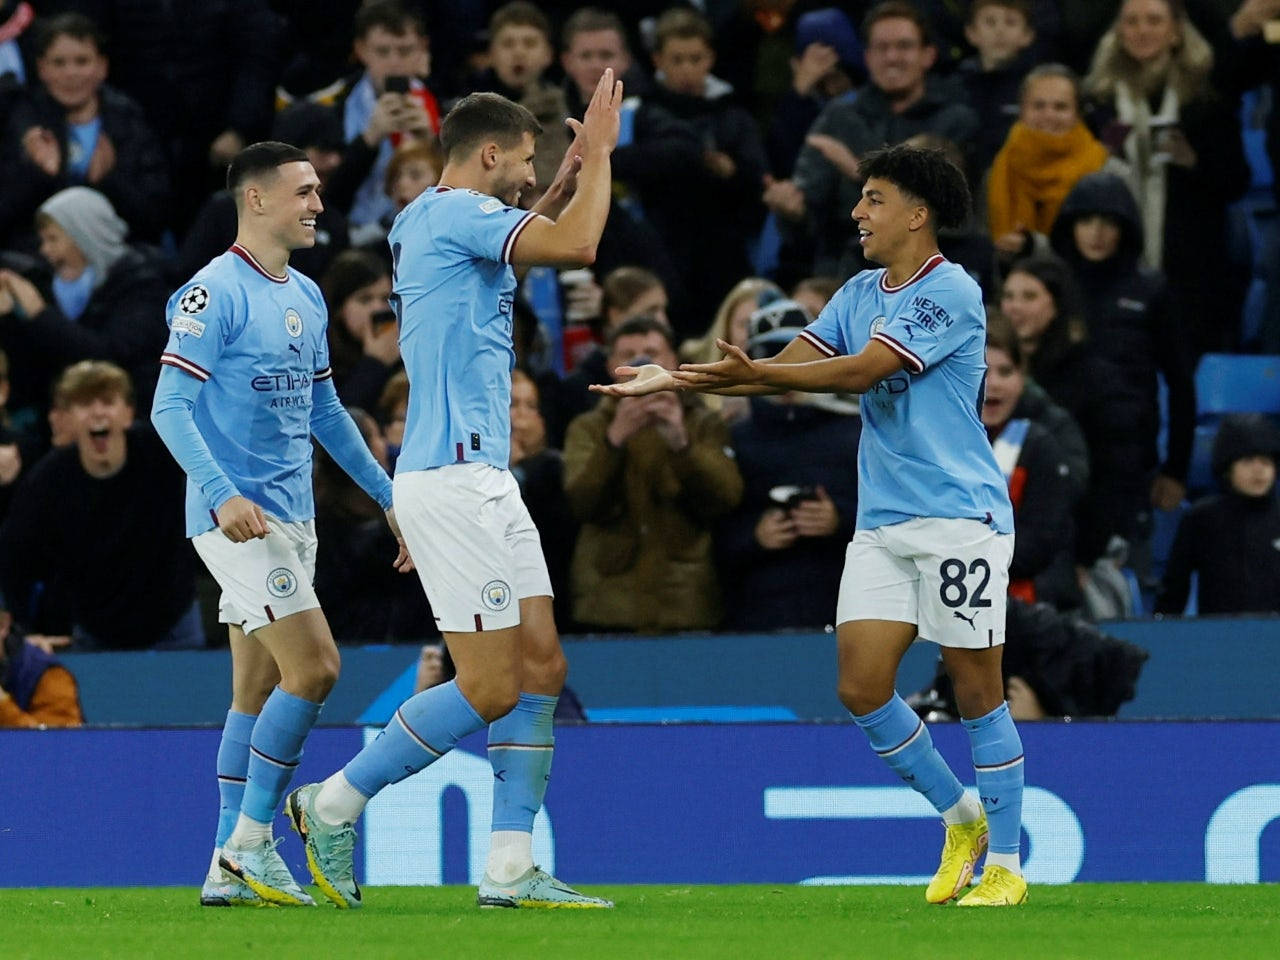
pixel 282 583
pixel 496 595
pixel 194 300
pixel 876 326
pixel 293 322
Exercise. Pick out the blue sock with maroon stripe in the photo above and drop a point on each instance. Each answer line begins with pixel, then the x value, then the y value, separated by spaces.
pixel 520 749
pixel 998 766
pixel 233 769
pixel 902 741
pixel 274 752
pixel 424 729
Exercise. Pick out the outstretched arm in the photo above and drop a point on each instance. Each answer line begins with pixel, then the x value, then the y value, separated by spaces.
pixel 855 374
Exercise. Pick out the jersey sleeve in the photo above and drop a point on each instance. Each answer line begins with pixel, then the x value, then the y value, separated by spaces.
pixel 201 318
pixel 323 371
pixel 935 321
pixel 487 228
pixel 826 334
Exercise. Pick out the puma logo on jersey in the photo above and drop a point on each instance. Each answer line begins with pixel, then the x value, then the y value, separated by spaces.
pixel 968 620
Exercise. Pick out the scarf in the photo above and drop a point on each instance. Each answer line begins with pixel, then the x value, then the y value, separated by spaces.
pixel 1147 163
pixel 1033 173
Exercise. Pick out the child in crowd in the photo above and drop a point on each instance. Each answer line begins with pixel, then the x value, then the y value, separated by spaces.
pixel 1001 32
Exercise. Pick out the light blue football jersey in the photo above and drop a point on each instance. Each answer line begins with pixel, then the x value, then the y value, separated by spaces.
pixel 257 342
pixel 453 290
pixel 924 451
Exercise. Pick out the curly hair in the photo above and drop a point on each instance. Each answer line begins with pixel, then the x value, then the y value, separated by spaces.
pixel 926 175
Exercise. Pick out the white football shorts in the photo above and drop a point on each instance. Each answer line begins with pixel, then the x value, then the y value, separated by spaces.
pixel 262 580
pixel 473 542
pixel 949 577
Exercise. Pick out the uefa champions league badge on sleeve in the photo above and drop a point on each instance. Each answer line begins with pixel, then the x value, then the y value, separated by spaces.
pixel 194 300
pixel 293 322
pixel 496 595
pixel 876 326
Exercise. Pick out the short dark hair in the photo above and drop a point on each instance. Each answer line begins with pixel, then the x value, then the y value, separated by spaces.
pixel 479 117
pixel 1059 70
pixel 638 326
pixel 74 25
pixel 680 23
pixel 591 20
pixel 391 15
pixel 897 9
pixel 1020 6
pixel 519 13
pixel 89 380
pixel 623 286
pixel 1002 336
pixel 926 175
pixel 258 158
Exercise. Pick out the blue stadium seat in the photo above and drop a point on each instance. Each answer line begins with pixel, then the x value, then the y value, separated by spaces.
pixel 1231 383
pixel 1200 478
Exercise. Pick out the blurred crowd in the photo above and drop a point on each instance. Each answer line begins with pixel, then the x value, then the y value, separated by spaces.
pixel 1118 156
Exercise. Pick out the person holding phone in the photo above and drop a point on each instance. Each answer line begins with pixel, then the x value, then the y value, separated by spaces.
pixel 363 339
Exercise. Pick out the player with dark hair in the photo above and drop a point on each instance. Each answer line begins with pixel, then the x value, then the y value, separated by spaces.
pixel 477 550
pixel 930 556
pixel 245 383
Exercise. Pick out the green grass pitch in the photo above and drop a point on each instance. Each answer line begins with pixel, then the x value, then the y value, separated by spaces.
pixel 1087 921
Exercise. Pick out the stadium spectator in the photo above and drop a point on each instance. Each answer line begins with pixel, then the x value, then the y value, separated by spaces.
pixel 414 166
pixel 393 406
pixel 721 203
pixel 799 464
pixel 1231 540
pixel 1041 487
pixel 16 18
pixel 730 324
pixel 75 129
pixel 1099 233
pixel 901 100
pixel 646 480
pixel 36 691
pixel 318 131
pixel 828 58
pixel 364 597
pixel 77 527
pixel 539 470
pixel 1043 303
pixel 626 292
pixel 204 75
pixel 386 103
pixel 19 449
pixel 520 51
pixel 107 296
pixel 1002 33
pixel 1047 151
pixel 659 157
pixel 364 348
pixel 1156 108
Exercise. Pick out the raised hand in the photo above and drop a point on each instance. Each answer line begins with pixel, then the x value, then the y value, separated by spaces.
pixel 601 122
pixel 644 380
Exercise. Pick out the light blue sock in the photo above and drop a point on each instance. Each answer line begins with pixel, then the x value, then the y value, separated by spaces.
pixel 520 749
pixel 902 740
pixel 997 763
pixel 233 769
pixel 424 729
pixel 274 752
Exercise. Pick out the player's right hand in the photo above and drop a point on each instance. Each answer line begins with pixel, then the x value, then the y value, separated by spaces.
pixel 601 121
pixel 241 520
pixel 403 562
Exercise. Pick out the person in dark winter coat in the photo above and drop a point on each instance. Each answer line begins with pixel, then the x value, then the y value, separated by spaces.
pixel 901 100
pixel 722 206
pixel 1002 33
pixel 1231 539
pixel 107 298
pixel 799 465
pixel 1099 234
pixel 1041 488
pixel 74 129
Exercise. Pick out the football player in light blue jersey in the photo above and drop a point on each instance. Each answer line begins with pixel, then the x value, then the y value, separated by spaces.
pixel 476 549
pixel 930 557
pixel 244 385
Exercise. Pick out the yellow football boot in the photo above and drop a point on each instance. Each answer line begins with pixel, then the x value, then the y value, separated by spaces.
pixel 998 888
pixel 963 848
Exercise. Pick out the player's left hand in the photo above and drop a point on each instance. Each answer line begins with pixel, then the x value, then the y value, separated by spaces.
pixel 23 291
pixel 817 517
pixel 403 562
pixel 736 369
pixel 1166 492
pixel 644 380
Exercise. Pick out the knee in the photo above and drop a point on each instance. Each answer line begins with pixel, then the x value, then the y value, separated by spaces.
pixel 546 674
pixel 491 697
pixel 977 699
pixel 314 679
pixel 861 696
